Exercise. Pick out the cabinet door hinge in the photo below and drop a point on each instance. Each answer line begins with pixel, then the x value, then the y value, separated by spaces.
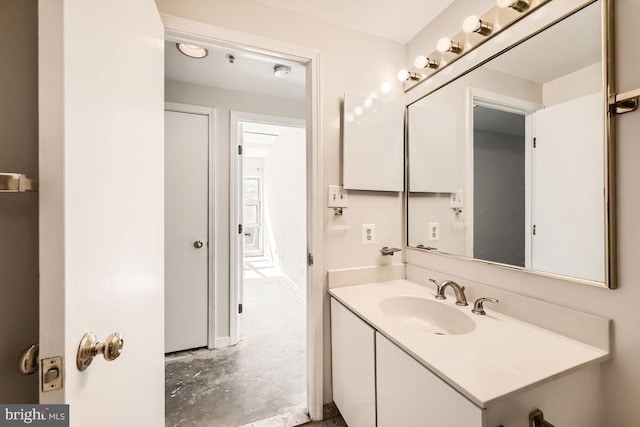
pixel 239 228
pixel 534 229
pixel 239 149
pixel 239 308
pixel 535 142
pixel 309 259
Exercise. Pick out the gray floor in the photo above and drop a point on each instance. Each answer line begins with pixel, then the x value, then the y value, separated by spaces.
pixel 262 377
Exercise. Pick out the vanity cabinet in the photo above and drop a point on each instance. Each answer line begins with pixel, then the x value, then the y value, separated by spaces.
pixel 410 395
pixel 377 383
pixel 353 367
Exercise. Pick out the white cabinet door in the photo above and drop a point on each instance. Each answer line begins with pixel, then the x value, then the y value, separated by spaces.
pixel 410 395
pixel 353 363
pixel 373 144
pixel 101 80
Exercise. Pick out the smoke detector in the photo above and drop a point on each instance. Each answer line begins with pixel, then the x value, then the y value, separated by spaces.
pixel 281 71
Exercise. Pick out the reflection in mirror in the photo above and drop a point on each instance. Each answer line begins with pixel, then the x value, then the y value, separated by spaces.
pixel 522 137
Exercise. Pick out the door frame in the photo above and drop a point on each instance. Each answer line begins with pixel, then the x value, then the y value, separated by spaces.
pixel 509 104
pixel 205 34
pixel 235 216
pixel 212 267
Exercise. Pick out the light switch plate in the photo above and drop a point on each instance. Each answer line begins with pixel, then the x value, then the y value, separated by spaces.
pixel 337 197
pixel 368 234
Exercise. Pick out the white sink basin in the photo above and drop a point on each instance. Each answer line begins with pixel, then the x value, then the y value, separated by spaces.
pixel 427 315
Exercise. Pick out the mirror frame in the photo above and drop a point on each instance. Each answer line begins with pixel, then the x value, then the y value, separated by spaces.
pixel 609 113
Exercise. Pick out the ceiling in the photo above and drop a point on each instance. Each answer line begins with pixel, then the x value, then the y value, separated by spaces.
pixel 249 72
pixel 398 20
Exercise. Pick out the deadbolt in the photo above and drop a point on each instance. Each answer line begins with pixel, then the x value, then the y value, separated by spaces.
pixel 90 347
pixel 198 244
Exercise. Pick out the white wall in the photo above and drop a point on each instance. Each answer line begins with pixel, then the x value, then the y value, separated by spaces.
pixel 225 101
pixel 351 62
pixel 621 374
pixel 18 212
pixel 285 198
pixel 574 85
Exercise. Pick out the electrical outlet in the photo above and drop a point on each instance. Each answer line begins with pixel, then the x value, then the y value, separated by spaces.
pixel 434 231
pixel 337 197
pixel 368 234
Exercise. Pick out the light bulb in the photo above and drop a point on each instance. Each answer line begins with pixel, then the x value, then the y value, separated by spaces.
pixel 445 44
pixel 473 24
pixel 421 61
pixel 519 5
pixel 403 75
pixel 424 62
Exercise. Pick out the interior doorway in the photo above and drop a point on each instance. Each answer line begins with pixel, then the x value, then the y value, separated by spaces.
pixel 260 372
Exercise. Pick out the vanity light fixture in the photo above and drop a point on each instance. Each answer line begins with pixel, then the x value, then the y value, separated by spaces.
pixel 473 24
pixel 488 25
pixel 517 5
pixel 281 71
pixel 445 44
pixel 404 75
pixel 425 62
pixel 191 50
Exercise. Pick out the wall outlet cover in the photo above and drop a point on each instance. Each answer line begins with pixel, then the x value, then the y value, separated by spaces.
pixel 455 200
pixel 368 234
pixel 434 231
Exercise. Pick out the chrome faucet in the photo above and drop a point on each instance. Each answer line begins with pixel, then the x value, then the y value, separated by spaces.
pixel 461 299
pixel 478 307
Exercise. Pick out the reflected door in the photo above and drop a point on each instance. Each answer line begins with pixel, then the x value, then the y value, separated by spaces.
pixel 569 151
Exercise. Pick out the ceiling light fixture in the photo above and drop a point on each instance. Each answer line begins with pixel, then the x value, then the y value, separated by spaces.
pixel 425 62
pixel 281 71
pixel 517 5
pixel 192 51
pixel 473 24
pixel 445 44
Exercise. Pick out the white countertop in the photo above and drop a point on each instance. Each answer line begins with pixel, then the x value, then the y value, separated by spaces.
pixel 500 357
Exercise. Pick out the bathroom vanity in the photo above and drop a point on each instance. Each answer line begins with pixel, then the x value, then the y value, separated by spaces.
pixel 401 357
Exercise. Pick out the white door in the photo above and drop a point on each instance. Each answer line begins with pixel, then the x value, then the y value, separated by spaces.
pixel 186 230
pixel 569 153
pixel 101 204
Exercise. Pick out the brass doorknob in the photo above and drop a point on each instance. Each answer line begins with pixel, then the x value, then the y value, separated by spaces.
pixel 89 347
pixel 198 244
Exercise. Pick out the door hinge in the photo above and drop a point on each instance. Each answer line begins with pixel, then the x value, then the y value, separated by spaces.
pixel 239 308
pixel 534 142
pixel 309 259
pixel 239 228
pixel 534 230
pixel 239 149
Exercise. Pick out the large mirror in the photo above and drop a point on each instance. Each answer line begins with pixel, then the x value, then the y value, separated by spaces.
pixel 508 163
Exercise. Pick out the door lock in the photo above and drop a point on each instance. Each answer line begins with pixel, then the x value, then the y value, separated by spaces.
pixel 90 347
pixel 198 244
pixel 28 361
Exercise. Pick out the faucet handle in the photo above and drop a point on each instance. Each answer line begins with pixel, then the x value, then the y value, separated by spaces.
pixel 478 307
pixel 439 293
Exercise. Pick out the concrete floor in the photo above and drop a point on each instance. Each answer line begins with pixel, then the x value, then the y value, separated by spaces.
pixel 263 377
